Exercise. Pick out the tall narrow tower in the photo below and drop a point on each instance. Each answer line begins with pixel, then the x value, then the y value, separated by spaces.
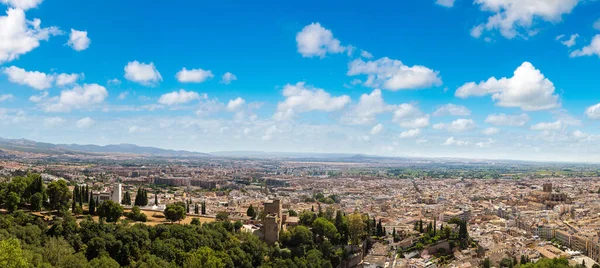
pixel 116 194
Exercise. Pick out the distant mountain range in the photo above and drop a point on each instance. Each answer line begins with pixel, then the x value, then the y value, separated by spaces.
pixel 23 145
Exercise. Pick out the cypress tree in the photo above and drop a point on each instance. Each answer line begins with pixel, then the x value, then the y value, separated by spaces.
pixel 434 226
pixel 196 209
pixel 155 199
pixel 138 197
pixel 87 194
pixel 203 207
pixel 92 206
pixel 187 208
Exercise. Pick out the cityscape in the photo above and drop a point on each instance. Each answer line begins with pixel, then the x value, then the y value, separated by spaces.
pixel 300 134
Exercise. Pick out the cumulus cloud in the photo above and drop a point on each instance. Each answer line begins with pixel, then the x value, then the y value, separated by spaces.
pixel 445 3
pixel 34 79
pixel 451 109
pixel 236 104
pixel 54 121
pixel 518 17
pixel 458 125
pixel 365 54
pixel 78 40
pixel 227 78
pixel 548 126
pixel 79 97
pixel 85 123
pixel 394 75
pixel 490 131
pixel 67 79
pixel 366 110
pixel 485 144
pixel 377 129
pixel 593 112
pixel 142 73
pixel 6 97
pixel 19 35
pixel 592 49
pixel 194 75
pixel 568 42
pixel 22 4
pixel 410 116
pixel 316 41
pixel 452 141
pixel 301 98
pixel 528 89
pixel 412 133
pixel 507 120
pixel 178 97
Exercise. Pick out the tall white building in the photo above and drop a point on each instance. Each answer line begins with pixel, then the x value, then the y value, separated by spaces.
pixel 116 194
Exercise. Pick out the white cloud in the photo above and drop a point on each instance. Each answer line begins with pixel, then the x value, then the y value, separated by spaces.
pixel 78 40
pixel 377 129
pixel 194 75
pixel 490 131
pixel 300 98
pixel 269 133
pixel 507 120
pixel 419 122
pixel 592 49
pixel 593 112
pixel 123 95
pixel 517 17
pixel 597 24
pixel 34 79
pixel 142 73
pixel 365 54
pixel 227 78
pixel 20 36
pixel 528 89
pixel 458 125
pixel 54 121
pixel 85 123
pixel 236 104
pixel 314 40
pixel 67 79
pixel 113 81
pixel 6 97
pixel 548 126
pixel 578 135
pixel 569 42
pixel 445 3
pixel 410 133
pixel 394 75
pixel 79 97
pixel 178 97
pixel 451 109
pixel 410 116
pixel 366 110
pixel 39 98
pixel 485 144
pixel 22 4
pixel 453 141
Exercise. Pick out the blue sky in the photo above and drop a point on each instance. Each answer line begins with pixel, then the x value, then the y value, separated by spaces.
pixel 481 79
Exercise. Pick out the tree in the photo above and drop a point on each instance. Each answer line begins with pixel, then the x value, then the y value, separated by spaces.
pixel 92 206
pixel 104 262
pixel 250 212
pixel 356 228
pixel 486 263
pixel 136 214
pixel 59 195
pixel 187 208
pixel 203 207
pixel 324 228
pixel 11 254
pixel 87 194
pixel 126 199
pixel 196 209
pixel 238 226
pixel 195 221
pixel 37 200
pixel 110 211
pixel 222 216
pixel 203 257
pixel 175 212
pixel 155 199
pixel 12 201
pixel 138 198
